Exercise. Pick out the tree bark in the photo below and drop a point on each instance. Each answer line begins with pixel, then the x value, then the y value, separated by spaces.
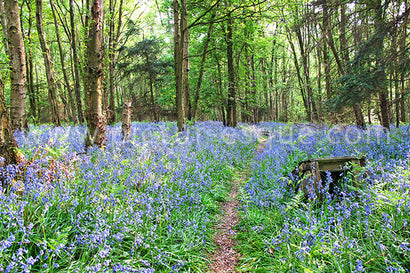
pixel 52 90
pixel 231 118
pixel 126 121
pixel 299 76
pixel 220 92
pixel 326 59
pixel 18 66
pixel 404 52
pixel 112 46
pixel 380 33
pixel 202 66
pixel 96 121
pixel 151 91
pixel 8 145
pixel 178 58
pixel 309 91
pixel 72 110
pixel 76 61
pixel 185 63
pixel 30 68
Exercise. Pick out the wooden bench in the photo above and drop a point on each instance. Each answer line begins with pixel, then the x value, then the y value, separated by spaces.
pixel 313 172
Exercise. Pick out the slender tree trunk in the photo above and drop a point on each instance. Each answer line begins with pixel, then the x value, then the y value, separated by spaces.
pixel 29 66
pixel 76 61
pixel 309 90
pixel 112 46
pixel 4 27
pixel 231 106
pixel 397 98
pixel 381 74
pixel 404 53
pixel 220 92
pixel 72 110
pixel 151 91
pixel 265 88
pixel 52 90
pixel 202 66
pixel 343 40
pixel 185 63
pixel 275 80
pixel 360 122
pixel 272 85
pixel 326 59
pixel 300 80
pixel 95 119
pixel 18 70
pixel 126 121
pixel 178 57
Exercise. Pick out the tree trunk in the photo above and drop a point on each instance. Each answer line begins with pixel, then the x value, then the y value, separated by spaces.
pixel 178 57
pixel 112 46
pixel 202 66
pixel 326 59
pixel 4 27
pixel 265 90
pixel 300 80
pixel 151 91
pixel 126 121
pixel 231 118
pixel 96 122
pixel 185 63
pixel 403 70
pixel 8 145
pixel 18 66
pixel 29 66
pixel 76 61
pixel 220 92
pixel 380 33
pixel 52 90
pixel 360 122
pixel 309 91
pixel 72 111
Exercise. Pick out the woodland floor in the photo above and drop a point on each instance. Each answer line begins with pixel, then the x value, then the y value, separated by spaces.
pixel 225 259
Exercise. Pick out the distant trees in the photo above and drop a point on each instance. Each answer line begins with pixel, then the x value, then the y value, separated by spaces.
pixel 48 63
pixel 231 60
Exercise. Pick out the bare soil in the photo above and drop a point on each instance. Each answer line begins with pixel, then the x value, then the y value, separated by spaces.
pixel 226 257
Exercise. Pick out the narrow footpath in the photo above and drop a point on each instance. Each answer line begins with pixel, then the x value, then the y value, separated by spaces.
pixel 226 257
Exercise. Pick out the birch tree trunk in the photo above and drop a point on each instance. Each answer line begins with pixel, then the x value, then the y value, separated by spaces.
pixel 17 66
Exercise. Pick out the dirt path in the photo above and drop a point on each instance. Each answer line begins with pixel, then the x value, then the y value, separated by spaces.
pixel 226 258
